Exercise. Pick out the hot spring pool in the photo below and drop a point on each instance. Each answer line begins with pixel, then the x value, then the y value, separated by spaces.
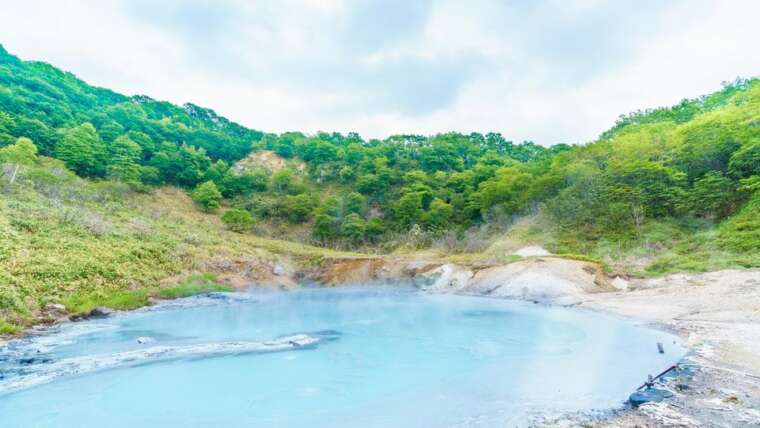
pixel 365 357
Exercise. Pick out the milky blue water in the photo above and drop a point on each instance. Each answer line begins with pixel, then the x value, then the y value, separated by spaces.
pixel 314 358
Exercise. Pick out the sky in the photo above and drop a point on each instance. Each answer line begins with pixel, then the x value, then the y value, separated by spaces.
pixel 545 71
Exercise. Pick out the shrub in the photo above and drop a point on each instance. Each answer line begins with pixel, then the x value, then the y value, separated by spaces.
pixel 207 195
pixel 238 220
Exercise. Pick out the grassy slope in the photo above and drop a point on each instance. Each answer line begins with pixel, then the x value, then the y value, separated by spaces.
pixel 663 246
pixel 72 241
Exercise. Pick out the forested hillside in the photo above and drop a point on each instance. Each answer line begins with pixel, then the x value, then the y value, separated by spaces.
pixel 353 191
pixel 689 166
pixel 84 172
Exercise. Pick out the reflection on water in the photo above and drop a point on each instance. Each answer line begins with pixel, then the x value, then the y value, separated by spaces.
pixel 371 357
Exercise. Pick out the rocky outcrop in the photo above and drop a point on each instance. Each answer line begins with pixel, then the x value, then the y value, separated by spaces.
pixel 538 278
pixel 245 271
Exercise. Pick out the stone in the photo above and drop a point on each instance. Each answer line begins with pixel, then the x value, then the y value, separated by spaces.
pixel 55 309
pixel 100 312
pixel 648 395
pixel 278 270
pixel 620 283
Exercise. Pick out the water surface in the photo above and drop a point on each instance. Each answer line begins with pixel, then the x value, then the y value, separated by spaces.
pixel 369 357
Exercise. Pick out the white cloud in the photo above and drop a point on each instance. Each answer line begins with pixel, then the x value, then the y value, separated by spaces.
pixel 549 72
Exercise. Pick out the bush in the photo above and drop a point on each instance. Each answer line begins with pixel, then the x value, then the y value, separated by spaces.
pixel 238 220
pixel 207 195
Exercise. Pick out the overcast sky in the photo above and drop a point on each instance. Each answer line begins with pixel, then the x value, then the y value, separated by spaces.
pixel 551 72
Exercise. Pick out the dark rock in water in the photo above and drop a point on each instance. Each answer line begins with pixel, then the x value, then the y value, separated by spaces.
pixel 33 360
pixel 100 312
pixel 217 295
pixel 648 395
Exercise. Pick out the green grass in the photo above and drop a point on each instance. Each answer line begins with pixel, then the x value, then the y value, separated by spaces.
pixel 7 328
pixel 79 304
pixel 741 233
pixel 196 284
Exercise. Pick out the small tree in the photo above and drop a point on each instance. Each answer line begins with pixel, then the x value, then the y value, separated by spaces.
pixel 123 157
pixel 355 203
pixel 82 150
pixel 353 228
pixel 324 228
pixel 746 161
pixel 23 152
pixel 207 195
pixel 374 228
pixel 238 220
pixel 710 194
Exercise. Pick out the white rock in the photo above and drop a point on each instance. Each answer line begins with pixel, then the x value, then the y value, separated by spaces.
pixel 536 279
pixel 278 270
pixel 143 339
pixel 448 277
pixel 620 283
pixel 532 251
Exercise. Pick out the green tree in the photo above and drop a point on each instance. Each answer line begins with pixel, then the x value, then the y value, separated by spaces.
pixel 353 228
pixel 82 150
pixel 207 195
pixel 297 208
pixel 355 203
pixel 746 161
pixel 408 209
pixel 238 220
pixel 711 194
pixel 23 152
pixel 144 141
pixel 123 155
pixel 324 228
pixel 439 214
pixel 283 181
pixel 44 137
pixel 374 229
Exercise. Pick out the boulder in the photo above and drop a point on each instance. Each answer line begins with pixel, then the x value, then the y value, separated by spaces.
pixel 278 269
pixel 648 395
pixel 100 312
pixel 620 283
pixel 55 309
pixel 543 279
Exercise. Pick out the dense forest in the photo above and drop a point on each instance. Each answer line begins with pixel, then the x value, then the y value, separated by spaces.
pixel 694 163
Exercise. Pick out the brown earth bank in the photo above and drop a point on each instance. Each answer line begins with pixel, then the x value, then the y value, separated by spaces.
pixel 716 313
